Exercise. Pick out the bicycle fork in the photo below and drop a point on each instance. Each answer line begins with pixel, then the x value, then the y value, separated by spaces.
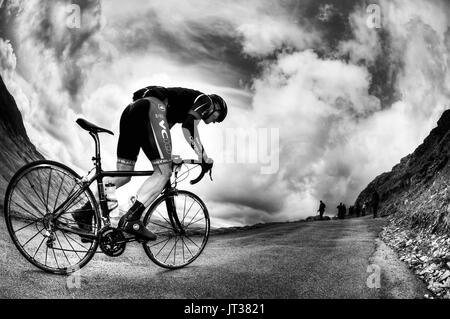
pixel 177 226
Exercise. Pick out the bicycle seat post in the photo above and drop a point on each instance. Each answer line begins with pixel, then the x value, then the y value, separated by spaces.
pixel 97 158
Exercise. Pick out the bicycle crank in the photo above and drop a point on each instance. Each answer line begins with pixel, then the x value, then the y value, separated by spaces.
pixel 112 242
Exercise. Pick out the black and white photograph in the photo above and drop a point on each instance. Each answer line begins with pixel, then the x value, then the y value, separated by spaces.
pixel 224 153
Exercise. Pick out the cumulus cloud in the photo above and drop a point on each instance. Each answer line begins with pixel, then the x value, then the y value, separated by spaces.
pixel 334 127
pixel 7 59
pixel 365 45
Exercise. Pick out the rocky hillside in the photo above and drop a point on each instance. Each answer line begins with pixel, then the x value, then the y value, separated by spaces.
pixel 416 196
pixel 416 192
pixel 15 146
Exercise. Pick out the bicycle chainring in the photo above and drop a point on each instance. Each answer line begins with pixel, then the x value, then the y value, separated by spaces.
pixel 112 242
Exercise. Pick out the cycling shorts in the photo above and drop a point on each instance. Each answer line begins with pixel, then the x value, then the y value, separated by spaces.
pixel 143 124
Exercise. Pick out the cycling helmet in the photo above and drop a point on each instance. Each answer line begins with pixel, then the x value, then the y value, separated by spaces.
pixel 221 105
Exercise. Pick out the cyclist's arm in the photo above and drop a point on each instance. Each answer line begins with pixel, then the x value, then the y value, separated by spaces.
pixel 191 135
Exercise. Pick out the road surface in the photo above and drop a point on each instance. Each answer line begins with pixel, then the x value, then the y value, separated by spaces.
pixel 327 259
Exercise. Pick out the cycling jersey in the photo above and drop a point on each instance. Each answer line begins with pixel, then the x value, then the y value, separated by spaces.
pixel 146 123
pixel 180 101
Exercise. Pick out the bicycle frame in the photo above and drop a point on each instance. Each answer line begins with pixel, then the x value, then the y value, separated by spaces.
pixel 98 177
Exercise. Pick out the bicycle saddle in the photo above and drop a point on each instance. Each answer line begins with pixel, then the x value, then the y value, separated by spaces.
pixel 88 126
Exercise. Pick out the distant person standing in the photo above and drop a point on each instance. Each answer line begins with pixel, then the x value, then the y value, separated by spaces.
pixel 375 202
pixel 341 212
pixel 321 209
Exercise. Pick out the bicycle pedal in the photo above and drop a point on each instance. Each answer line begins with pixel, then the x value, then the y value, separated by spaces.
pixel 50 242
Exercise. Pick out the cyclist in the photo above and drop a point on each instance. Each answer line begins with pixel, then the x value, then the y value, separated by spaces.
pixel 146 124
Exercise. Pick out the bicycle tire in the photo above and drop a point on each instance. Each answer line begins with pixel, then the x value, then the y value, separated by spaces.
pixel 17 187
pixel 163 227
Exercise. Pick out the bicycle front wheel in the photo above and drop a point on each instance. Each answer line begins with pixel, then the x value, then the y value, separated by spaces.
pixel 181 222
pixel 50 242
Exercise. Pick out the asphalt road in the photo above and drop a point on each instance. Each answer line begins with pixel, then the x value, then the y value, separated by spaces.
pixel 329 259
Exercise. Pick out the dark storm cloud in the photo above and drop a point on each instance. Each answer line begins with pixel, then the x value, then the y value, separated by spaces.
pixel 332 19
pixel 195 44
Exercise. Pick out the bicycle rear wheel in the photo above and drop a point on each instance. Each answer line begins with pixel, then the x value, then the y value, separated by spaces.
pixel 181 222
pixel 51 244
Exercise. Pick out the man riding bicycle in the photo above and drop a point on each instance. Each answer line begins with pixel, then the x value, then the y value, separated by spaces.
pixel 146 124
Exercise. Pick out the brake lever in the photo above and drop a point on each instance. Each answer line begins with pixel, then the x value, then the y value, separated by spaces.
pixel 210 174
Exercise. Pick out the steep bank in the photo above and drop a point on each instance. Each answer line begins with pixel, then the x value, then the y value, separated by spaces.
pixel 16 148
pixel 416 197
pixel 416 191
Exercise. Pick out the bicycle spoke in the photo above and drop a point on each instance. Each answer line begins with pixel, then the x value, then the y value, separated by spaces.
pixel 54 255
pixel 25 197
pixel 184 208
pixel 42 191
pixel 33 237
pixel 175 251
pixel 40 187
pixel 26 210
pixel 75 203
pixel 187 237
pixel 67 199
pixel 187 212
pixel 59 190
pixel 62 248
pixel 46 254
pixel 33 222
pixel 48 186
pixel 163 247
pixel 77 242
pixel 71 246
pixel 170 228
pixel 182 248
pixel 70 193
pixel 168 222
pixel 41 200
pixel 42 241
pixel 193 217
pixel 187 247
pixel 157 243
pixel 201 218
pixel 169 253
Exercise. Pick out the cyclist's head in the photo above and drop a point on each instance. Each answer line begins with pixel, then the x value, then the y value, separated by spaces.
pixel 219 105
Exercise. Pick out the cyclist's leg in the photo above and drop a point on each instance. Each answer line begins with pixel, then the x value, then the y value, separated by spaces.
pixel 133 126
pixel 157 146
pixel 127 151
pixel 153 186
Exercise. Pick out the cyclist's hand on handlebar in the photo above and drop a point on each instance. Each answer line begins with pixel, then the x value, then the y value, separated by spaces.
pixel 206 166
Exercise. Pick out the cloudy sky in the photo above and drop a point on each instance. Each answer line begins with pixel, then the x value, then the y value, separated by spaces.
pixel 336 100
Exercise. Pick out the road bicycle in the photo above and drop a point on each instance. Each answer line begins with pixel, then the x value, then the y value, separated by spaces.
pixel 44 196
